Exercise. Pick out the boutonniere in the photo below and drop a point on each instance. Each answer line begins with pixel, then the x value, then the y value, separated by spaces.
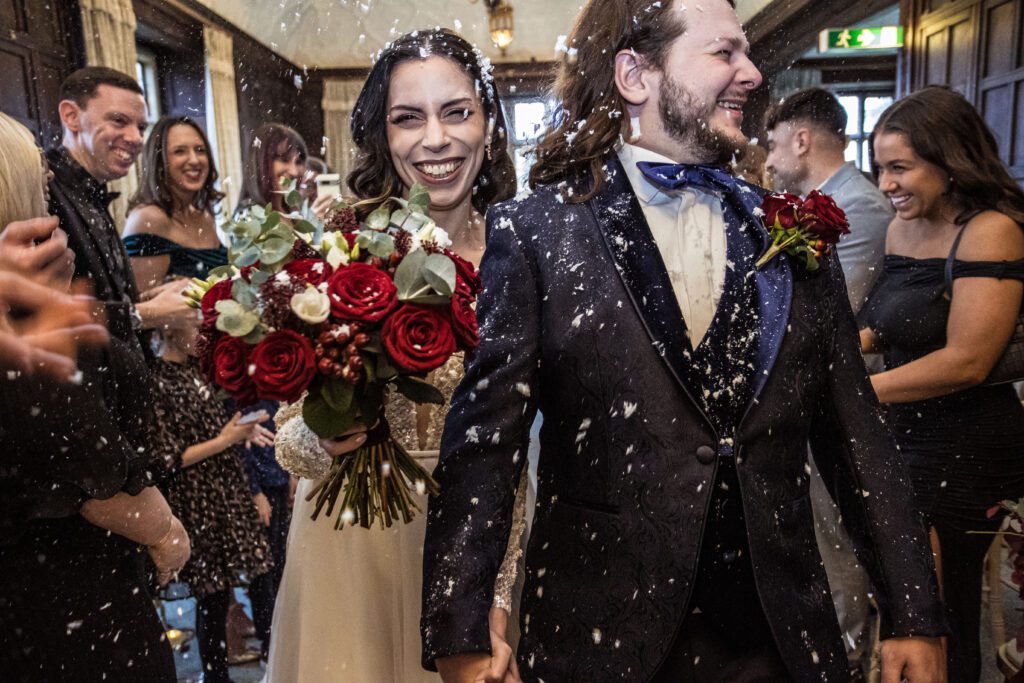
pixel 804 228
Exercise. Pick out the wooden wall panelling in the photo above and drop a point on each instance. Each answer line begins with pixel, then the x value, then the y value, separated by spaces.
pixel 40 44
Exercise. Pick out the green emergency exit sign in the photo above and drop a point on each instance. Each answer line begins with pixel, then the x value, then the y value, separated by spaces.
pixel 872 38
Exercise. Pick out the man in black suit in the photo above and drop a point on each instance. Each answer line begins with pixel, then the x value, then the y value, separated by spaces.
pixel 673 538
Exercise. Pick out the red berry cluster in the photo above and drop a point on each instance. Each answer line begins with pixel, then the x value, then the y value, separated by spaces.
pixel 337 352
pixel 342 220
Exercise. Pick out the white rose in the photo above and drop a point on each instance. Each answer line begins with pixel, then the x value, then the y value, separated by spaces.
pixel 312 306
pixel 432 232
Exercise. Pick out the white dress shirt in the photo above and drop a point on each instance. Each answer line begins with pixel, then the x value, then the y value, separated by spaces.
pixel 689 228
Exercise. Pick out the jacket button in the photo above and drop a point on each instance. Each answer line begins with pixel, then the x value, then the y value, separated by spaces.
pixel 706 454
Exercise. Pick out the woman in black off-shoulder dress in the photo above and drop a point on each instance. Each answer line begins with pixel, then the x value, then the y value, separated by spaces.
pixel 962 439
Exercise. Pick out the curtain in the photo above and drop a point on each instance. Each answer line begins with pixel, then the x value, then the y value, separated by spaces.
pixel 222 114
pixel 339 101
pixel 108 27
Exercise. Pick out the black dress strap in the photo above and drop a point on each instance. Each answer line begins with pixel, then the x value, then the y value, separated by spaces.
pixel 951 259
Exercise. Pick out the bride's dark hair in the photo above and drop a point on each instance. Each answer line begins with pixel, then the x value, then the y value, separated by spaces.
pixel 374 177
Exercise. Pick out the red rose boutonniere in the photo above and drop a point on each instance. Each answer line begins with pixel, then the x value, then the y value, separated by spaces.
pixel 805 228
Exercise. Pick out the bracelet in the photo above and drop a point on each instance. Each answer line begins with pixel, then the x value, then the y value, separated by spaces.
pixel 167 534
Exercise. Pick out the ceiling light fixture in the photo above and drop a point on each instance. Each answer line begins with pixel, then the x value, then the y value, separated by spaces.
pixel 500 23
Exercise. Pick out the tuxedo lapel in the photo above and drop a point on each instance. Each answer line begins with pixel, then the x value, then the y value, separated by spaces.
pixel 638 262
pixel 774 283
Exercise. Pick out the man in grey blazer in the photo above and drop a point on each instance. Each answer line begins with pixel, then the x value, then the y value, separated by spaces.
pixel 806 145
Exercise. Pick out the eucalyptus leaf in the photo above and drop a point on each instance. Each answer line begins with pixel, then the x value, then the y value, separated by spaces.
pixel 379 218
pixel 235 319
pixel 439 272
pixel 221 272
pixel 419 199
pixel 325 421
pixel 281 231
pixel 428 299
pixel 305 227
pixel 383 245
pixel 258 212
pixel 258 277
pixel 272 221
pixel 254 337
pixel 247 257
pixel 338 393
pixel 418 391
pixel 275 250
pixel 293 199
pixel 243 293
pixel 410 221
pixel 408 277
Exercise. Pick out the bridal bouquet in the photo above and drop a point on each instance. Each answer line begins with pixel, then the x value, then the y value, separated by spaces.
pixel 340 312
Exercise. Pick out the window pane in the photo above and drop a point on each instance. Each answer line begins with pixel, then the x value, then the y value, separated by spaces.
pixel 851 151
pixel 529 120
pixel 851 103
pixel 873 108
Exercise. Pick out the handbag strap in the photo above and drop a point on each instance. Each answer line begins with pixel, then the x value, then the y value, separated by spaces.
pixel 951 259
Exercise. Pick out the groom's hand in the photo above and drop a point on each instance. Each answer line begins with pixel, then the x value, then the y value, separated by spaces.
pixel 915 659
pixel 497 667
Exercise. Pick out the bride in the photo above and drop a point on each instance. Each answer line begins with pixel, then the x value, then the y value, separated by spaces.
pixel 348 608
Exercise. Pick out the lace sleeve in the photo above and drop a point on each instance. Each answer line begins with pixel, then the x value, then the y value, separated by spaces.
pixel 296 447
pixel 506 578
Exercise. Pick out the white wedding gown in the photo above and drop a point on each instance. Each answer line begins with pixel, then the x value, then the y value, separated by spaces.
pixel 348 609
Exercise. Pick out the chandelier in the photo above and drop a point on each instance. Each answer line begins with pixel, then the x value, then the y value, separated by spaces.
pixel 499 23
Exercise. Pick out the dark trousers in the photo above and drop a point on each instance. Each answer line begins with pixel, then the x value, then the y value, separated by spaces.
pixel 211 633
pixel 963 559
pixel 263 589
pixel 728 639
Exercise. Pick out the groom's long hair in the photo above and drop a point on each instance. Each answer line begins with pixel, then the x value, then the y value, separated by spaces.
pixel 592 114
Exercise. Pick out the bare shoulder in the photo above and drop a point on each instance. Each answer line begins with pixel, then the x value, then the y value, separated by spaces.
pixel 147 218
pixel 991 236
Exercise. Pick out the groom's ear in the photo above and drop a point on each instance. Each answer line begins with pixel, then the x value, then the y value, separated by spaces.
pixel 634 79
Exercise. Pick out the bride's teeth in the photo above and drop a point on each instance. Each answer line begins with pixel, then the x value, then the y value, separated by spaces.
pixel 440 170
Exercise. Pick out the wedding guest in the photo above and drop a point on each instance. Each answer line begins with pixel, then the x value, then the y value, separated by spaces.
pixel 103 116
pixel 77 506
pixel 429 113
pixel 941 334
pixel 171 229
pixel 206 487
pixel 806 151
pixel 277 155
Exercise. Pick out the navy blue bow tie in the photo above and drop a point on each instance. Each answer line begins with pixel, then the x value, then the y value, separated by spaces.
pixel 677 176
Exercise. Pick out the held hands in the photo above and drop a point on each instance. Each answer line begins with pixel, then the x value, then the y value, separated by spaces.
pixel 252 433
pixel 171 552
pixel 38 250
pixel 347 442
pixel 479 667
pixel 915 659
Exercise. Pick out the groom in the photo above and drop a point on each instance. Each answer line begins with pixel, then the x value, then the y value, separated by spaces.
pixel 673 538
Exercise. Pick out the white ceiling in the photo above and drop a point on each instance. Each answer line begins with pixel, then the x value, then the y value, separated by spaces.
pixel 347 33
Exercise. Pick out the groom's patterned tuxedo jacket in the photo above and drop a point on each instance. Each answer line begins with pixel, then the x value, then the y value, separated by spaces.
pixel 579 319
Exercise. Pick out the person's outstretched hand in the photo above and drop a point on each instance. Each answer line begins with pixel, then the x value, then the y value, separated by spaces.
pixel 47 329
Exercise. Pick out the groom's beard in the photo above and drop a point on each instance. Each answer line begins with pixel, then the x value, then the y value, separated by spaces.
pixel 687 123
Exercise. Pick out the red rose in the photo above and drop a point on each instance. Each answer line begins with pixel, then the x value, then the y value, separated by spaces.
pixel 361 293
pixel 465 273
pixel 231 368
pixel 314 271
pixel 783 208
pixel 418 338
pixel 826 220
pixel 208 305
pixel 464 324
pixel 283 365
